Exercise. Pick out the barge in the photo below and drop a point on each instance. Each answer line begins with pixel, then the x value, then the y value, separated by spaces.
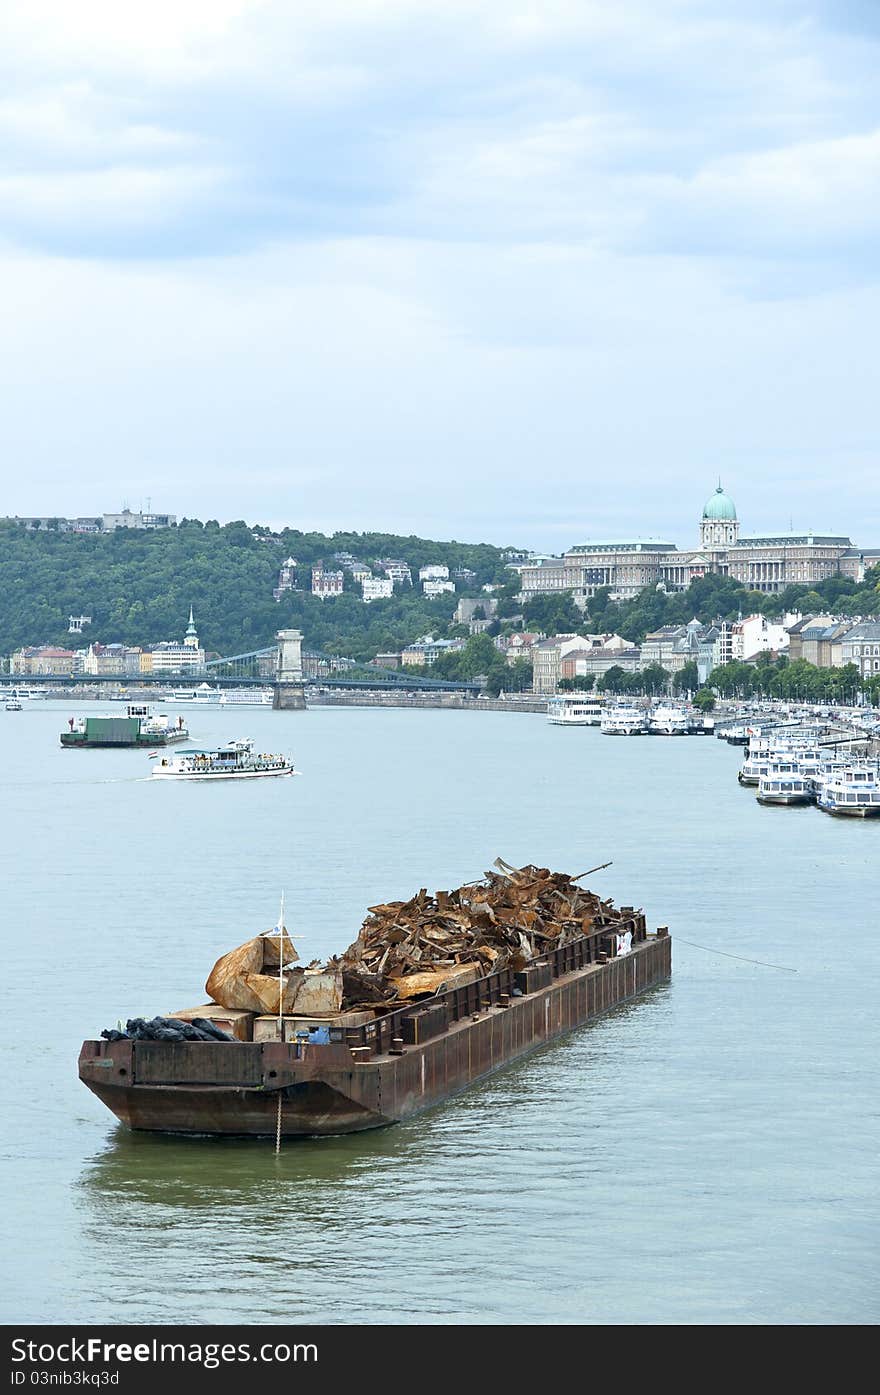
pixel 139 727
pixel 350 1075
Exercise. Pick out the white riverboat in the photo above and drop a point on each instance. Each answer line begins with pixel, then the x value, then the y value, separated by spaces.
pixel 783 783
pixel 624 719
pixel 14 703
pixel 206 696
pixel 851 792
pixel 669 719
pixel 22 694
pixel 237 760
pixel 584 711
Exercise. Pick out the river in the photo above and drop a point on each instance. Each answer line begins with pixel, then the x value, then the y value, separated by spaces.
pixel 708 1154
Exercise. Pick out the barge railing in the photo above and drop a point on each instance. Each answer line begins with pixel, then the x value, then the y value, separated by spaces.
pixel 384 1034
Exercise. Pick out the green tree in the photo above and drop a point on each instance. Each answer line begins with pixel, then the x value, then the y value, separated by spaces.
pixel 704 699
pixel 687 678
pixel 552 614
pixel 581 683
pixel 653 679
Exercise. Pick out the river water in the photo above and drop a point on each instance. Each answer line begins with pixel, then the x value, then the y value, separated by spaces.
pixel 706 1155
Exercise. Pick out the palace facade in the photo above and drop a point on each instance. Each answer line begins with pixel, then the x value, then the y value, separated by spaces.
pixel 766 563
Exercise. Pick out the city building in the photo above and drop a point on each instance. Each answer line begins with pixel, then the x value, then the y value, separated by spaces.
pixel 386 660
pixel 547 656
pixel 326 583
pixel 103 523
pixel 423 653
pixel 172 657
pixel 398 571
pixel 602 653
pixel 75 623
pixel 57 525
pixel 110 660
pixel 763 562
pixel 437 588
pixel 518 646
pixel 377 588
pixel 42 661
pixel 744 639
pixel 128 519
pixel 286 578
pixel 434 573
pixel 861 646
pixel 818 639
pixel 673 646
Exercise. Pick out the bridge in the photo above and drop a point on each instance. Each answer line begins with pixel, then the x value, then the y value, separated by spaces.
pixel 283 666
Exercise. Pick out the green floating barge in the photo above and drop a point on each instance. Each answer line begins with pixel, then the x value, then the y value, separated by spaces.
pixel 139 727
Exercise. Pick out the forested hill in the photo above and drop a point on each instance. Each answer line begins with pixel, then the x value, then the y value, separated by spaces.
pixel 138 587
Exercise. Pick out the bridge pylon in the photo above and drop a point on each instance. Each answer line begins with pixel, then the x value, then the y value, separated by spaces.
pixel 290 694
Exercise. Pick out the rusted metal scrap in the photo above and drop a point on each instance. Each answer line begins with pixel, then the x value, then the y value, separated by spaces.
pixel 415 948
pixel 410 948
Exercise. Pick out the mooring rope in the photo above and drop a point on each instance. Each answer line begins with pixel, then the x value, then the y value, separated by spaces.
pixel 710 949
pixel 278 1127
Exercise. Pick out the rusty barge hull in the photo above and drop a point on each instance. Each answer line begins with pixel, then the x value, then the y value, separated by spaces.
pixel 233 1089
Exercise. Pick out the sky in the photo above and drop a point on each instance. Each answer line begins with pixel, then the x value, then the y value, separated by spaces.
pixel 523 273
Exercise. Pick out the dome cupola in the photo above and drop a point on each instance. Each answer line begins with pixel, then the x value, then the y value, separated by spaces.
pixel 720 507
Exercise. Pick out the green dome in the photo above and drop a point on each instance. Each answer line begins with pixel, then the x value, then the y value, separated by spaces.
pixel 720 506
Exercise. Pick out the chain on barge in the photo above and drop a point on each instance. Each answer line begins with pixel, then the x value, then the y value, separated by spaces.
pixel 381 1071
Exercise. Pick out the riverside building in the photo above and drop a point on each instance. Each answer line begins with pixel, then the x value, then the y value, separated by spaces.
pixel 763 562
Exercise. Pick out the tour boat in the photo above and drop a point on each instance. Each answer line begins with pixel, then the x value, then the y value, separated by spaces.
pixel 13 703
pixel 624 719
pixel 852 792
pixel 783 784
pixel 575 711
pixel 669 719
pixel 234 761
pixel 206 696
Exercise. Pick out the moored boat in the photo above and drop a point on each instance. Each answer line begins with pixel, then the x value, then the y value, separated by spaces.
pixel 236 760
pixel 624 719
pixel 206 696
pixel 851 792
pixel 669 719
pixel 582 711
pixel 782 783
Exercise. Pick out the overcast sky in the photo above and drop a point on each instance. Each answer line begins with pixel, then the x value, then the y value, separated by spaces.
pixel 516 272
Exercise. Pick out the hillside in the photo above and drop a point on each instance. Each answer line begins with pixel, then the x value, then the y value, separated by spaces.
pixel 138 587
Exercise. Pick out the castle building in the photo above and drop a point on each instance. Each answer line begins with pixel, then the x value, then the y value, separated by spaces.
pixel 767 563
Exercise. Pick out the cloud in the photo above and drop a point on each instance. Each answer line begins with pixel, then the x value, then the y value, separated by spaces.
pixel 562 262
pixel 617 124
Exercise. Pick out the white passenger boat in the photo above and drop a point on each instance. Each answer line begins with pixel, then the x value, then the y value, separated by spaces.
pixel 624 719
pixel 206 696
pixel 851 792
pixel 669 719
pixel 583 711
pixel 234 761
pixel 14 704
pixel 783 784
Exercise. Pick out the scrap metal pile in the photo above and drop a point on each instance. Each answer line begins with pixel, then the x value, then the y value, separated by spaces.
pixel 406 949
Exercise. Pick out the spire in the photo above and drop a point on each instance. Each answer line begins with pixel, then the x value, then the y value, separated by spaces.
pixel 191 639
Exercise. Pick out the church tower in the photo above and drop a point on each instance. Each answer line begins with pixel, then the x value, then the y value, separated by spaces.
pixel 191 639
pixel 719 526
